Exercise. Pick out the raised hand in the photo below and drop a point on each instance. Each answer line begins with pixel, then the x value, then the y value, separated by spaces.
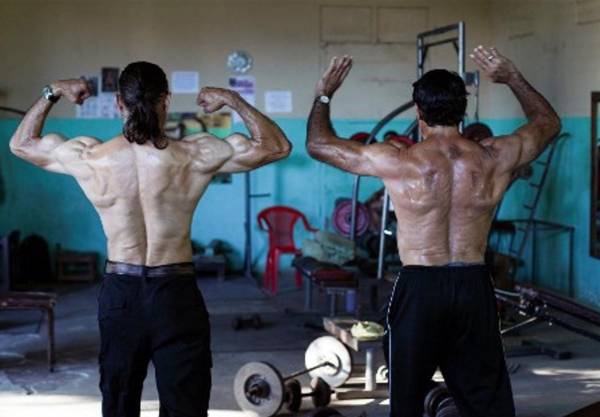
pixel 212 99
pixel 334 76
pixel 496 66
pixel 75 90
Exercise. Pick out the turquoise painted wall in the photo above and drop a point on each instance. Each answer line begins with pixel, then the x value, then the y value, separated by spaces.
pixel 53 206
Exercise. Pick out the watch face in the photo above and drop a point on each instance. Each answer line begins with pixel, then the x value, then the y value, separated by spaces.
pixel 324 99
pixel 239 62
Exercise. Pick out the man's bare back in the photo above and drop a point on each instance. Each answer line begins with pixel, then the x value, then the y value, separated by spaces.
pixel 444 199
pixel 444 189
pixel 146 196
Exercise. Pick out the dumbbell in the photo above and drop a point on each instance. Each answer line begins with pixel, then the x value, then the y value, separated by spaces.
pixel 439 403
pixel 320 394
pixel 240 322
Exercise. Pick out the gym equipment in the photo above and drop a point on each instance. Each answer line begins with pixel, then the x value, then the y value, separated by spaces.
pixel 240 322
pixel 477 131
pixel 328 358
pixel 447 408
pixel 434 398
pixel 342 217
pixel 439 403
pixel 382 374
pixel 259 388
pixel 521 229
pixel 537 305
pixel 341 329
pixel 320 394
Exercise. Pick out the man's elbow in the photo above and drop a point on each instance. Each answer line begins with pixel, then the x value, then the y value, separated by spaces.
pixel 313 150
pixel 17 149
pixel 556 126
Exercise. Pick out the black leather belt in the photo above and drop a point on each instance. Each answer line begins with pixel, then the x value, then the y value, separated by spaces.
pixel 122 268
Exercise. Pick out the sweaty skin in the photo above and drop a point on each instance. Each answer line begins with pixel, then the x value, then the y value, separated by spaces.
pixel 146 197
pixel 444 189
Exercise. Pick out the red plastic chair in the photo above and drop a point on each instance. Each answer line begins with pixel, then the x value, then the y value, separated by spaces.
pixel 279 221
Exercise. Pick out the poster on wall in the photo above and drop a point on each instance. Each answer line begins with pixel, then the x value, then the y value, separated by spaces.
pixel 107 106
pixel 245 86
pixel 278 102
pixel 110 79
pixel 89 109
pixel 185 82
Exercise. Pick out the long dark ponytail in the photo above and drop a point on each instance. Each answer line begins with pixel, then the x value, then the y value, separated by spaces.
pixel 142 85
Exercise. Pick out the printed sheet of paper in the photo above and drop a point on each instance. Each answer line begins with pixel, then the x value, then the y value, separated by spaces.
pixel 245 85
pixel 278 102
pixel 185 82
pixel 89 109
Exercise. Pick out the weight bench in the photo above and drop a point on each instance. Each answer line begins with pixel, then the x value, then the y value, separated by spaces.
pixel 44 302
pixel 17 300
pixel 330 278
pixel 340 329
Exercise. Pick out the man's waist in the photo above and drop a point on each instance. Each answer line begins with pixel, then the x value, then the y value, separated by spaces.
pixel 123 268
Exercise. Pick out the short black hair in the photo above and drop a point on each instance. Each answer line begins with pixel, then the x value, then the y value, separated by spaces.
pixel 441 96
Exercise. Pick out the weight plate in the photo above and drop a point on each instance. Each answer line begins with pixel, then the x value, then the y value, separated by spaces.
pixel 258 388
pixel 321 395
pixel 434 398
pixel 329 349
pixel 382 374
pixel 342 217
pixel 293 394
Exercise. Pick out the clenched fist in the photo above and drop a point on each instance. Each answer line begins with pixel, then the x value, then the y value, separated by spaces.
pixel 497 67
pixel 76 90
pixel 212 99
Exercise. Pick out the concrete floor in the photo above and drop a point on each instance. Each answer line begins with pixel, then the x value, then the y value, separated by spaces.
pixel 543 387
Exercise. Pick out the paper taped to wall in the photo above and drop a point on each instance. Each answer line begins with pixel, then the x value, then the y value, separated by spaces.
pixel 245 86
pixel 185 82
pixel 278 102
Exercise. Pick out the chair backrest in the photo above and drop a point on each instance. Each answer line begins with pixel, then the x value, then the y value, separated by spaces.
pixel 280 222
pixel 8 254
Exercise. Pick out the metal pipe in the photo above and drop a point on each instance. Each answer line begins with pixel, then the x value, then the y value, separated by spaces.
pixel 380 125
pixel 441 42
pixel 13 110
pixel 384 216
pixel 439 31
pixel 248 243
pixel 461 49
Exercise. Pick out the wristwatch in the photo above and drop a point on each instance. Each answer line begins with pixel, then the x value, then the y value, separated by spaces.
pixel 49 95
pixel 324 99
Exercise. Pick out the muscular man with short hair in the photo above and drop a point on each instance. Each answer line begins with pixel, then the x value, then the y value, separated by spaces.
pixel 442 312
pixel 145 187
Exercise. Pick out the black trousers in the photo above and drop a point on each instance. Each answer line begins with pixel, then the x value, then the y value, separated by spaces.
pixel 158 319
pixel 446 317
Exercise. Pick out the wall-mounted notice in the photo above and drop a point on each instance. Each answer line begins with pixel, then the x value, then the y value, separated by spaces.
pixel 107 106
pixel 245 85
pixel 185 82
pixel 89 109
pixel 278 102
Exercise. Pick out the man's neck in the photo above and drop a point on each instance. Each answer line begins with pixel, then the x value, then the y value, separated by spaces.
pixel 440 132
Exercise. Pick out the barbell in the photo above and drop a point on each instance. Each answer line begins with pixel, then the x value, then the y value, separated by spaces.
pixel 260 388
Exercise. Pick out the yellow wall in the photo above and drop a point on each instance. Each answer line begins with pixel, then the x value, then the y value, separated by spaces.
pixel 44 40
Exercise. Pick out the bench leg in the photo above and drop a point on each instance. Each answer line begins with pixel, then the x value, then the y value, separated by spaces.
pixel 51 352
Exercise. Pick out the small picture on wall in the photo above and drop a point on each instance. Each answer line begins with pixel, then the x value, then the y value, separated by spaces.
pixel 92 83
pixel 110 78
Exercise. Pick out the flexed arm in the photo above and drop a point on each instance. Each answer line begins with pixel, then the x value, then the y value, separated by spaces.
pixel 543 124
pixel 50 151
pixel 324 145
pixel 267 142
